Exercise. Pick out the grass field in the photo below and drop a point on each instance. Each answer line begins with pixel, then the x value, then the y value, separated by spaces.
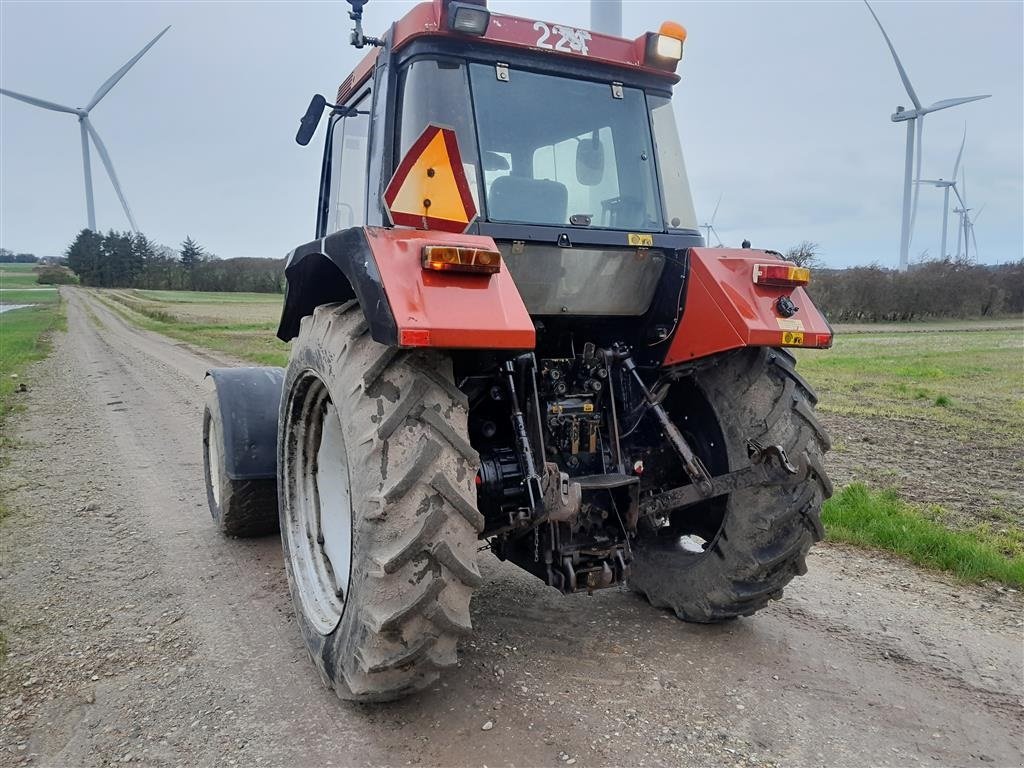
pixel 952 381
pixel 241 324
pixel 969 381
pixel 18 286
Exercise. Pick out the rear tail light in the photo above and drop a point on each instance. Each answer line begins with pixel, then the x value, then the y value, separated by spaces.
pixel 783 275
pixel 449 258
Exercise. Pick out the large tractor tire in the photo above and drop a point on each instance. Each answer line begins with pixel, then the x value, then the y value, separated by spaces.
pixel 378 507
pixel 754 541
pixel 241 508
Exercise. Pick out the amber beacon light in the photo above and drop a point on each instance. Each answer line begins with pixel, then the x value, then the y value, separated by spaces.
pixel 665 47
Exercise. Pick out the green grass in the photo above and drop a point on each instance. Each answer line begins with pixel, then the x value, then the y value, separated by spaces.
pixel 881 520
pixel 24 339
pixel 207 297
pixel 17 276
pixel 46 295
pixel 971 382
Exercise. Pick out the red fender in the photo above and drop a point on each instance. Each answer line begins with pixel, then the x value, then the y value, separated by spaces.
pixel 725 309
pixel 448 309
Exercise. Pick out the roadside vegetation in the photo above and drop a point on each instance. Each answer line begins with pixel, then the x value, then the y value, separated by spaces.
pixel 25 337
pixel 881 520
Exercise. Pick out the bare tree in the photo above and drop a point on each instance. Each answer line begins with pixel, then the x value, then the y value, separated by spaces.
pixel 807 254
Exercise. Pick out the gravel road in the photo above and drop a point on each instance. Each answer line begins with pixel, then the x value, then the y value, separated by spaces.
pixel 136 634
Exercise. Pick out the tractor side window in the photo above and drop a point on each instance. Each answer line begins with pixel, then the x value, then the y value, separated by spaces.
pixel 349 148
pixel 436 91
pixel 675 188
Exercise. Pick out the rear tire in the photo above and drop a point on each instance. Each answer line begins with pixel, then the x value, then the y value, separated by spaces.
pixel 766 531
pixel 381 549
pixel 241 508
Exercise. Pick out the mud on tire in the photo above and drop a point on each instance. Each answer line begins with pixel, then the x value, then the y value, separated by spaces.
pixel 414 520
pixel 766 532
pixel 240 508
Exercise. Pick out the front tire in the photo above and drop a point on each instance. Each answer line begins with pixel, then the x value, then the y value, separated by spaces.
pixel 761 541
pixel 377 505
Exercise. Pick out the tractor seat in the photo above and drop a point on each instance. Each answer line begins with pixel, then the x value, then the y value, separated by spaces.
pixel 535 201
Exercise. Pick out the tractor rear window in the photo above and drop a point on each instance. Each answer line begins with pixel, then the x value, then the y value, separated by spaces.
pixel 559 151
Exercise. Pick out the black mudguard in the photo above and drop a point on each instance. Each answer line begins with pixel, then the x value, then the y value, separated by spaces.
pixel 336 268
pixel 249 400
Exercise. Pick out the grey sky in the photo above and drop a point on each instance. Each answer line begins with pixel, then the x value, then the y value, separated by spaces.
pixel 784 110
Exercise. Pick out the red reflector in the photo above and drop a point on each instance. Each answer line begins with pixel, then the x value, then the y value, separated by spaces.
pixel 413 338
pixel 782 274
pixel 450 258
pixel 823 341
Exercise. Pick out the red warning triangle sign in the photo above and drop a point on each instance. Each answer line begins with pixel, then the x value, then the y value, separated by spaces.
pixel 429 189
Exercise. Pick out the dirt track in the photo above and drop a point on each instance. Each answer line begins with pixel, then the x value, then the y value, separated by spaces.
pixel 137 634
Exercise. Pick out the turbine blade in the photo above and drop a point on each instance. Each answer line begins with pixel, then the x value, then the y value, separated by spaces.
pixel 936 182
pixel 896 58
pixel 105 157
pixel 974 239
pixel 960 154
pixel 947 103
pixel 38 102
pixel 978 213
pixel 716 208
pixel 962 203
pixel 112 80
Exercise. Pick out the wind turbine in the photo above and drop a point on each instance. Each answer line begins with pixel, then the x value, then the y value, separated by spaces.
pixel 709 227
pixel 946 185
pixel 914 118
pixel 89 132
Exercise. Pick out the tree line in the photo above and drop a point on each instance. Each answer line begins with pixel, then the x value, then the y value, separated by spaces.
pixel 929 290
pixel 10 257
pixel 128 260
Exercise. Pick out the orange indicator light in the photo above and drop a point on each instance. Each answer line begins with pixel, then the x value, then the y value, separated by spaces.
pixel 449 258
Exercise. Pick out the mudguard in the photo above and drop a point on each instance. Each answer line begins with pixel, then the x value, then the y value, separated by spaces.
pixel 404 304
pixel 249 399
pixel 725 309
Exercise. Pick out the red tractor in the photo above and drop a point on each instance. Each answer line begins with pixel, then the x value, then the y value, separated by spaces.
pixel 508 330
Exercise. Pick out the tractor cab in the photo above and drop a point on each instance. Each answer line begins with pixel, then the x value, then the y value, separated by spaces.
pixel 567 150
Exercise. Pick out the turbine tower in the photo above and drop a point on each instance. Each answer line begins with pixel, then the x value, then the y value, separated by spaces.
pixel 945 186
pixel 709 227
pixel 89 132
pixel 914 118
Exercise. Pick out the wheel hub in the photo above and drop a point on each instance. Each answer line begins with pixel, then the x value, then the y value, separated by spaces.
pixel 318 504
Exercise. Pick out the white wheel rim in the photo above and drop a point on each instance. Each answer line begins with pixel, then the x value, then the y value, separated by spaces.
pixel 318 507
pixel 213 460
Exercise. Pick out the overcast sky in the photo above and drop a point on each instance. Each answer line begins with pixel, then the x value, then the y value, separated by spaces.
pixel 783 109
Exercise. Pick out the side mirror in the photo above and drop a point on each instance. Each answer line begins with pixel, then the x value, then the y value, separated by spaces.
pixel 310 120
pixel 590 161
